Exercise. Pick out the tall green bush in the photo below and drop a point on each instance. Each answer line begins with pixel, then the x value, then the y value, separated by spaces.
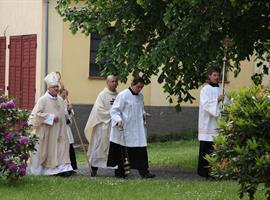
pixel 242 149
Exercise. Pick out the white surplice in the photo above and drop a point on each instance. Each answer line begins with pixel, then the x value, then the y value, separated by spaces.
pixel 209 112
pixel 69 118
pixel 130 109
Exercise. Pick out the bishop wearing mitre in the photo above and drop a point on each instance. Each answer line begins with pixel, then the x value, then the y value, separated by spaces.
pixel 49 124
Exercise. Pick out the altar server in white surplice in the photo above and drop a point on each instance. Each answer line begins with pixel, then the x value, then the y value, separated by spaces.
pixel 63 93
pixel 98 127
pixel 209 112
pixel 49 124
pixel 128 133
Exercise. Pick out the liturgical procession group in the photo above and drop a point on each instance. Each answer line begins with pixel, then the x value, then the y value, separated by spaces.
pixel 115 130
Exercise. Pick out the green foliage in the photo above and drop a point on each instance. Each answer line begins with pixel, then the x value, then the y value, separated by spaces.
pixel 16 142
pixel 175 40
pixel 242 150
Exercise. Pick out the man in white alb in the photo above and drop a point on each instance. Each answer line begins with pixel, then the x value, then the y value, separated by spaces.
pixel 128 134
pixel 209 112
pixel 98 127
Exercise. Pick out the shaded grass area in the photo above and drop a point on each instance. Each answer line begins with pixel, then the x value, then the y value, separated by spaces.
pixel 57 188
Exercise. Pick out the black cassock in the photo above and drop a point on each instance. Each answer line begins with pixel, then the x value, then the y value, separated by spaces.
pixel 203 165
pixel 137 157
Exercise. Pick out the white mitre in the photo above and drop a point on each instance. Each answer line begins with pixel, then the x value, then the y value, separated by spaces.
pixel 52 79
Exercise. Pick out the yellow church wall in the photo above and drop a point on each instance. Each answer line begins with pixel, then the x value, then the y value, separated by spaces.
pixel 75 69
pixel 24 17
pixel 244 78
pixel 55 39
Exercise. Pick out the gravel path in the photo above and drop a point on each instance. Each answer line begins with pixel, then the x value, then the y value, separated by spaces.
pixel 161 173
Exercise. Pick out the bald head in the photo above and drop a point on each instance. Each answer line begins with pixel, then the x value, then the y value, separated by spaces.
pixel 112 82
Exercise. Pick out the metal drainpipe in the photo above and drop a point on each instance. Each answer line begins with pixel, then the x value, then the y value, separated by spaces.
pixel 46 39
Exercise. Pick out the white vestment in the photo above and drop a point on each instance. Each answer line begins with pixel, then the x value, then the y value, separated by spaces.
pixel 209 112
pixel 52 155
pixel 98 127
pixel 130 109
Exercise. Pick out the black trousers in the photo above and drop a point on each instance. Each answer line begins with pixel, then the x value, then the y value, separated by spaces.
pixel 72 157
pixel 203 165
pixel 137 157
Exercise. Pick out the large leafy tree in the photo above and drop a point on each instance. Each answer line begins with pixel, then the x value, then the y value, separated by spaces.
pixel 176 40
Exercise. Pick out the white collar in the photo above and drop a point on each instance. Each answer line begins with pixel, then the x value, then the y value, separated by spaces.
pixel 47 94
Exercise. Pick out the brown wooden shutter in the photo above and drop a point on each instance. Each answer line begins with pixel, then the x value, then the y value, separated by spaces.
pixel 15 65
pixel 2 63
pixel 22 74
pixel 28 88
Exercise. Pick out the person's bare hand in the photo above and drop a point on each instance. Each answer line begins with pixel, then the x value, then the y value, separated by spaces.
pixel 69 107
pixel 56 119
pixel 146 115
pixel 120 124
pixel 220 98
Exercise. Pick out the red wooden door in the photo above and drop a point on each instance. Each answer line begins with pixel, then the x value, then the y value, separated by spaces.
pixel 2 63
pixel 22 70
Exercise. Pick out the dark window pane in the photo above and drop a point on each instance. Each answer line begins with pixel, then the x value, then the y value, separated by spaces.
pixel 95 39
pixel 94 45
pixel 94 70
pixel 95 36
pixel 93 56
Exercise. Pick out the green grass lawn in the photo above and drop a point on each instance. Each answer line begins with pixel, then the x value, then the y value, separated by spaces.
pixel 179 154
pixel 57 188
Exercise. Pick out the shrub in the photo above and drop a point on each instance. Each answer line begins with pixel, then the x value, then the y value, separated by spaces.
pixel 242 149
pixel 16 143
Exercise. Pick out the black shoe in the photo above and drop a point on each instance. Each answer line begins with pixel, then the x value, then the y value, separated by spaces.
pixel 65 174
pixel 93 172
pixel 119 175
pixel 73 172
pixel 148 175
